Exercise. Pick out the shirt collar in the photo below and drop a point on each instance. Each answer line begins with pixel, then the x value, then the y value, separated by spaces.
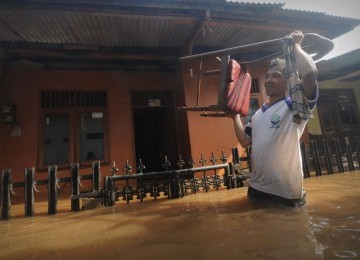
pixel 266 106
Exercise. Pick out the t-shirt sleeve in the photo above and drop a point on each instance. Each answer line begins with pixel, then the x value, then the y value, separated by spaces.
pixel 311 103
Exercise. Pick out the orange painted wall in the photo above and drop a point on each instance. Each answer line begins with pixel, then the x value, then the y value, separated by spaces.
pixel 21 87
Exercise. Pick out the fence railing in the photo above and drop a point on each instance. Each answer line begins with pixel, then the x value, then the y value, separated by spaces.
pixel 328 155
pixel 322 155
pixel 172 183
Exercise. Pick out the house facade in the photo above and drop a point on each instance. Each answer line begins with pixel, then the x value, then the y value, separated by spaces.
pixel 337 112
pixel 103 81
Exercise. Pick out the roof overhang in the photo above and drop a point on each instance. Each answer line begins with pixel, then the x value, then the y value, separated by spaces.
pixel 144 34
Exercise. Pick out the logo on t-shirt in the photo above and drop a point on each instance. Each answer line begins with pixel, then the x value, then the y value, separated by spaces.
pixel 275 120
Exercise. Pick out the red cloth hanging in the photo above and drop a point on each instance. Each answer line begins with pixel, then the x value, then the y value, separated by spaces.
pixel 238 89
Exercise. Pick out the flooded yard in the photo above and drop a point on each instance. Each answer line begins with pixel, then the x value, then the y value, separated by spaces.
pixel 215 225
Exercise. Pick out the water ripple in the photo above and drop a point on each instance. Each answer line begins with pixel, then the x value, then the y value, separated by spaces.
pixel 345 254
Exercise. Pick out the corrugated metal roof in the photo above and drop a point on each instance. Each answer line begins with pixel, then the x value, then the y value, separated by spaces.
pixel 344 68
pixel 157 31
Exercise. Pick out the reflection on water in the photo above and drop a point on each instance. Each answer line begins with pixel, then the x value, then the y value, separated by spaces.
pixel 216 225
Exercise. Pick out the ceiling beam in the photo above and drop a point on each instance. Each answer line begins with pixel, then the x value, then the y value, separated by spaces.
pixel 95 55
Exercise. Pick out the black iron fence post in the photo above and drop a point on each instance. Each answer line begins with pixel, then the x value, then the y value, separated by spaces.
pixel 228 176
pixel 96 175
pixel 338 155
pixel 52 189
pixel 174 181
pixel 357 143
pixel 75 189
pixel 235 161
pixel 29 191
pixel 110 196
pixel 178 183
pixel 204 182
pixel 140 185
pixel 248 155
pixel 349 154
pixel 305 164
pixel 316 158
pixel 327 157
pixel 215 179
pixel 5 194
pixel 228 171
pixel 192 186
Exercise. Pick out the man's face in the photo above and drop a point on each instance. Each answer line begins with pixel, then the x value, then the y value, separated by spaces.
pixel 275 82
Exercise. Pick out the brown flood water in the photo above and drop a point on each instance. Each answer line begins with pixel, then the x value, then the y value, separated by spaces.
pixel 215 225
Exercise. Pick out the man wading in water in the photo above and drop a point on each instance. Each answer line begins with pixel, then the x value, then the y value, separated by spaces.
pixel 275 129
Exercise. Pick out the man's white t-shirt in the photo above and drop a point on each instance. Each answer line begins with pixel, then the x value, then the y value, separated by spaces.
pixel 275 152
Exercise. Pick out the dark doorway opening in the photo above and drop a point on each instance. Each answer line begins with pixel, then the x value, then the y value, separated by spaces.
pixel 155 136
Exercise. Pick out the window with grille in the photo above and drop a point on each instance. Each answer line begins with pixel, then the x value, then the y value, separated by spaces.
pixel 338 110
pixel 73 127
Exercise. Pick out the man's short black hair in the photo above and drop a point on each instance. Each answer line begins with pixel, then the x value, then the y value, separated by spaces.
pixel 278 62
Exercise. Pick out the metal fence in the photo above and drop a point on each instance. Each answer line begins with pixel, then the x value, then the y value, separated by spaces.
pixel 172 182
pixel 322 155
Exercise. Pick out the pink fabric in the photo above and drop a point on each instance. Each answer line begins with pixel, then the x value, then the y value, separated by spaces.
pixel 238 92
